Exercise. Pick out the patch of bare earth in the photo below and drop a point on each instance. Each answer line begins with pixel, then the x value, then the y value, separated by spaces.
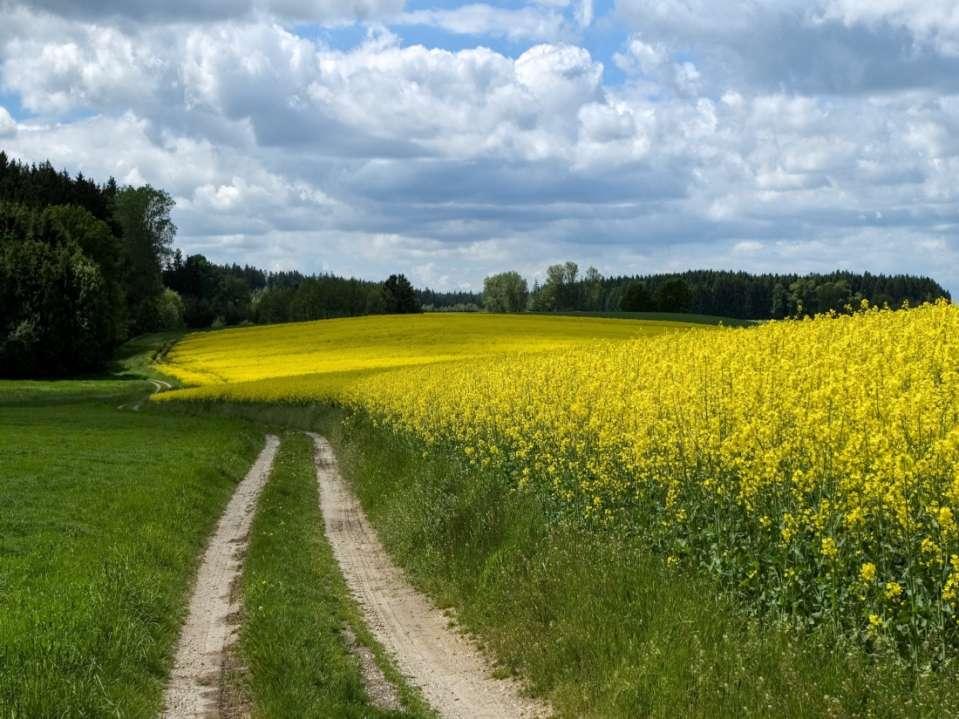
pixel 451 671
pixel 196 682
pixel 383 695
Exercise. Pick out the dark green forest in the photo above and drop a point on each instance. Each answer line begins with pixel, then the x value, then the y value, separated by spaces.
pixel 83 267
pixel 79 268
pixel 726 294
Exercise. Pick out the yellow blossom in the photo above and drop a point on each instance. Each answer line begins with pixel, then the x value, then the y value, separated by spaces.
pixel 786 440
pixel 828 548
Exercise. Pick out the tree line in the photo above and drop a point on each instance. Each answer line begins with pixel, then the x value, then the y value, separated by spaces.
pixel 84 266
pixel 213 295
pixel 739 295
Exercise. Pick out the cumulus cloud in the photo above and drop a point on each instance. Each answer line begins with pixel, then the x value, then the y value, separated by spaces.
pixel 380 155
pixel 97 67
pixel 642 57
pixel 931 22
pixel 8 125
pixel 320 11
pixel 835 46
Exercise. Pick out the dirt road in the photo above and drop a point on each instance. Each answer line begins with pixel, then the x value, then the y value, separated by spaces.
pixel 194 687
pixel 452 673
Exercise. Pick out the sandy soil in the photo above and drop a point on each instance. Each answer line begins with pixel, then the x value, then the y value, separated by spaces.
pixel 383 695
pixel 194 686
pixel 451 672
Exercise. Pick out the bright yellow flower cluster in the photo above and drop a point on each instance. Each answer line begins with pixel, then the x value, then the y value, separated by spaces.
pixel 812 464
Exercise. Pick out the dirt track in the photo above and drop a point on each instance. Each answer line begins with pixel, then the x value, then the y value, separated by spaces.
pixel 194 687
pixel 452 673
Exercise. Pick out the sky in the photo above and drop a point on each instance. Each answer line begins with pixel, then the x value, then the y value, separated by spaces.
pixel 450 140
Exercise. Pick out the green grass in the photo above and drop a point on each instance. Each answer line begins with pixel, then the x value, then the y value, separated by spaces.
pixel 296 604
pixel 594 622
pixel 103 516
pixel 125 381
pixel 32 392
pixel 136 358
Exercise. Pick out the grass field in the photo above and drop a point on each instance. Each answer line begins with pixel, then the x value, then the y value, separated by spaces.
pixel 126 380
pixel 104 514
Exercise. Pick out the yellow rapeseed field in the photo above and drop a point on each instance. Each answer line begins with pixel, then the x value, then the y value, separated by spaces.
pixel 812 465
pixel 362 343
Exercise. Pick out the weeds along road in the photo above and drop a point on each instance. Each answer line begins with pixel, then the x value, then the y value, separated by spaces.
pixel 451 673
pixel 194 686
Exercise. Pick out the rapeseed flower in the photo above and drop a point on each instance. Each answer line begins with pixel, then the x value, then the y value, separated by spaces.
pixel 752 453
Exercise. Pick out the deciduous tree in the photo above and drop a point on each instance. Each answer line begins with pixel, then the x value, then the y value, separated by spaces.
pixel 505 292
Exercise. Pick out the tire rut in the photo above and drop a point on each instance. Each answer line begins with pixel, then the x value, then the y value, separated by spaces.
pixel 209 630
pixel 451 672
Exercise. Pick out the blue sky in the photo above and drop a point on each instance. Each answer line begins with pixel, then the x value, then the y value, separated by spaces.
pixel 449 140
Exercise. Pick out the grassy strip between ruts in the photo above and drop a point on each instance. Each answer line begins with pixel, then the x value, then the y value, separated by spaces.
pixel 103 517
pixel 296 604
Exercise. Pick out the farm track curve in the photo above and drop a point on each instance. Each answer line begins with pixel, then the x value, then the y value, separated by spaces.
pixel 194 687
pixel 451 672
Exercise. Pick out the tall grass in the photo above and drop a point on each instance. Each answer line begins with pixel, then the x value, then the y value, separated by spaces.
pixel 597 622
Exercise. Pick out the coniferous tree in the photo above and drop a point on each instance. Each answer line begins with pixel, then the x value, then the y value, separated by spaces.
pixel 400 296
pixel 637 298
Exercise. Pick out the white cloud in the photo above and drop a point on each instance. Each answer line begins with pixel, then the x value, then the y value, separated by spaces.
pixel 319 11
pixel 97 66
pixel 807 46
pixel 285 151
pixel 748 247
pixel 641 56
pixel 525 23
pixel 585 13
pixel 8 126
pixel 931 22
pixel 559 76
pixel 696 17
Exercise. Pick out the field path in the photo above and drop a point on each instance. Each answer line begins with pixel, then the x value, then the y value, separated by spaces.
pixel 450 671
pixel 194 687
pixel 160 384
pixel 157 385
